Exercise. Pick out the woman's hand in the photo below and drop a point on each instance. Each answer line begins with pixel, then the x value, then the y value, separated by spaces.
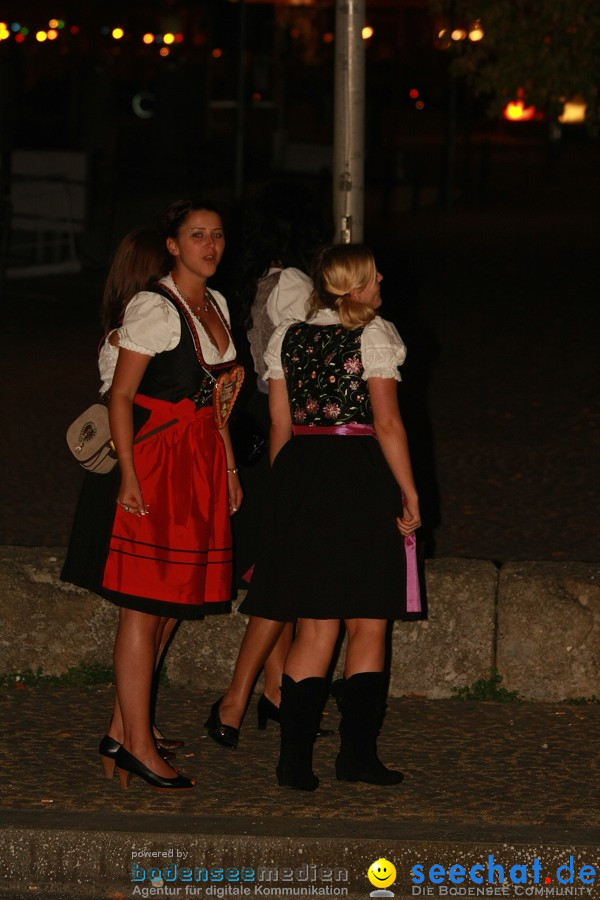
pixel 236 494
pixel 130 496
pixel 411 518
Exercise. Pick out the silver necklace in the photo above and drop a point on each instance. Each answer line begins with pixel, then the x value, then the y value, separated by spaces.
pixel 201 306
pixel 195 308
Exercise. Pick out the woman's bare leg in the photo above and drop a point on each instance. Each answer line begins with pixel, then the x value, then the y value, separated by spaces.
pixel 134 657
pixel 259 640
pixel 163 633
pixel 312 649
pixel 366 646
pixel 273 667
pixel 162 637
pixel 115 729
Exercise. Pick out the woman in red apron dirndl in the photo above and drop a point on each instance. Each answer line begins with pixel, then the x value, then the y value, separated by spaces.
pixel 168 555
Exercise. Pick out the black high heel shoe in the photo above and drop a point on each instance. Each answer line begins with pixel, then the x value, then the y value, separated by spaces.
pixel 164 743
pixel 226 735
pixel 108 750
pixel 127 765
pixel 266 710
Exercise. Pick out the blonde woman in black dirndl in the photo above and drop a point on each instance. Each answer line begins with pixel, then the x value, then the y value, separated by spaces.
pixel 169 549
pixel 344 502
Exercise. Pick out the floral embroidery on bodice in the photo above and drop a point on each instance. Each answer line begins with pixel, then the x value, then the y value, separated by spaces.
pixel 323 368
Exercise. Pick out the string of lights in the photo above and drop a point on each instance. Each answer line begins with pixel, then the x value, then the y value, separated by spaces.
pixel 59 31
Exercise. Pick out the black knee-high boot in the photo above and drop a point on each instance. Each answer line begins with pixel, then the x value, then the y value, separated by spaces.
pixel 300 713
pixel 362 704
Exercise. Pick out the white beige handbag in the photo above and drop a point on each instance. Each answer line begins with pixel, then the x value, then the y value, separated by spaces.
pixel 89 440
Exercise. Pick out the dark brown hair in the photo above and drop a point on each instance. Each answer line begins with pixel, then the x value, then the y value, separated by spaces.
pixel 140 259
pixel 172 218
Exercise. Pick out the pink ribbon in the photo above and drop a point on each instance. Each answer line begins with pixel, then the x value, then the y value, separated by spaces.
pixel 247 576
pixel 351 428
pixel 413 590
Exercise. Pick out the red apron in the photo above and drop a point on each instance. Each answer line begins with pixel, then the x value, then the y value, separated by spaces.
pixel 181 551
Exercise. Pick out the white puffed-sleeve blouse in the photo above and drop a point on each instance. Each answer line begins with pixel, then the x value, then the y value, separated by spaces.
pixel 382 348
pixel 289 299
pixel 152 325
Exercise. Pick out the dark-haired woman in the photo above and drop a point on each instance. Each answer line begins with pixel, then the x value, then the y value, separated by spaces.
pixel 140 259
pixel 281 234
pixel 344 498
pixel 169 541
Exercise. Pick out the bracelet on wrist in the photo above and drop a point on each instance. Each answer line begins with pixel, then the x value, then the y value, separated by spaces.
pixel 232 471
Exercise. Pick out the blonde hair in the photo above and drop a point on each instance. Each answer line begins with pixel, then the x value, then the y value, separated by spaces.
pixel 337 272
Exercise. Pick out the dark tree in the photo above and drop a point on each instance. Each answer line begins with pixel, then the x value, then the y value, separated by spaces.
pixel 545 51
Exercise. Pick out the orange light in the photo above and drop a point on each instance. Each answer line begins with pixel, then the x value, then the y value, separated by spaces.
pixel 459 34
pixel 367 33
pixel 41 36
pixel 52 34
pixel 574 111
pixel 476 32
pixel 169 38
pixel 164 51
pixel 516 111
pixel 217 53
pixel 53 23
pixel 419 104
pixel 117 33
pixel 148 38
pixel 328 38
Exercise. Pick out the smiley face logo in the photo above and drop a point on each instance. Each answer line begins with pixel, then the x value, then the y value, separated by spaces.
pixel 382 873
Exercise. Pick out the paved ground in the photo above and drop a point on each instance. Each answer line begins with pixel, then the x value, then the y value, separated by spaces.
pixel 466 763
pixel 517 780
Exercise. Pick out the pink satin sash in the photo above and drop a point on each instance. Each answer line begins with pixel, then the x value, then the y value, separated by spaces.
pixel 413 590
pixel 351 428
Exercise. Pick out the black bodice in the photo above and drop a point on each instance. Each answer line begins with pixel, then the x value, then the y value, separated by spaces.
pixel 176 374
pixel 323 366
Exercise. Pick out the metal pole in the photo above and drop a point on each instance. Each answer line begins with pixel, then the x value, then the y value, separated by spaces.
pixel 240 108
pixel 349 121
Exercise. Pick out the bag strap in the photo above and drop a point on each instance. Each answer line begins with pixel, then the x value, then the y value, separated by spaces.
pixel 156 430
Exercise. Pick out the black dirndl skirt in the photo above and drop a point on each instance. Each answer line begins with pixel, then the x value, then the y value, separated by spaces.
pixel 331 547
